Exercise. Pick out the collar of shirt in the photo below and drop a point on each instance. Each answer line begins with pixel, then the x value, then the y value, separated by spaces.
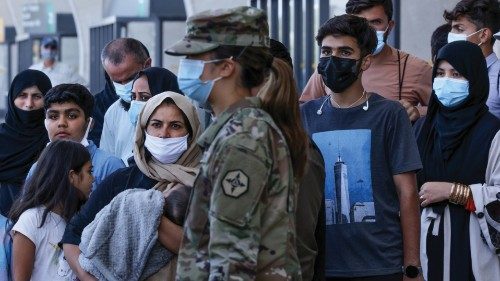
pixel 52 67
pixel 92 148
pixel 211 132
pixel 491 59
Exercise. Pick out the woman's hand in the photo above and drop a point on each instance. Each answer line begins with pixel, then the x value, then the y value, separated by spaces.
pixel 432 192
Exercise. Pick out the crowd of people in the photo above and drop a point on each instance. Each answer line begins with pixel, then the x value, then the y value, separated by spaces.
pixel 385 167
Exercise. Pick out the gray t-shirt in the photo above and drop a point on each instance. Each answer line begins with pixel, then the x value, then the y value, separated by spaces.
pixel 362 150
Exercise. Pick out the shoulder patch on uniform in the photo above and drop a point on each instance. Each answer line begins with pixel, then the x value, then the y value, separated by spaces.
pixel 235 183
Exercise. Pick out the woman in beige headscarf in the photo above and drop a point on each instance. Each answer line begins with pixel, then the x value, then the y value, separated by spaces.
pixel 165 150
pixel 165 141
pixel 167 159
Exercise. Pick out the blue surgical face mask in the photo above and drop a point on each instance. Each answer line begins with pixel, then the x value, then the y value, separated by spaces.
pixel 190 83
pixel 124 91
pixel 450 91
pixel 380 41
pixel 48 54
pixel 134 110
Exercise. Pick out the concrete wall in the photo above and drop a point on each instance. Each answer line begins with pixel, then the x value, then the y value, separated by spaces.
pixel 86 14
pixel 5 13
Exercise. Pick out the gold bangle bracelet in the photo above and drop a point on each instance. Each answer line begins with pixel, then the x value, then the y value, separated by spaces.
pixel 464 197
pixel 467 194
pixel 453 191
pixel 462 194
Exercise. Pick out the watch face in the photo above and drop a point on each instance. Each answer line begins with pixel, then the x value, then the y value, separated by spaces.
pixel 411 271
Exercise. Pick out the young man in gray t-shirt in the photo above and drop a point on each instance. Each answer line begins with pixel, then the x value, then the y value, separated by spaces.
pixel 371 157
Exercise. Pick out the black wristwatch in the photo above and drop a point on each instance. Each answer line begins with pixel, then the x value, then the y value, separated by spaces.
pixel 412 271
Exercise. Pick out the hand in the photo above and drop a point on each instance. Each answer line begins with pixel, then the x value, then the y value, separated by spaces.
pixel 432 192
pixel 411 110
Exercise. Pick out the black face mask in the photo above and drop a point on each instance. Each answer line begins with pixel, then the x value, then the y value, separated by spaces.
pixel 338 73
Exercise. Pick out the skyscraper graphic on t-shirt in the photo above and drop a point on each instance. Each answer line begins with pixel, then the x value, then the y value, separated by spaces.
pixel 348 182
pixel 342 203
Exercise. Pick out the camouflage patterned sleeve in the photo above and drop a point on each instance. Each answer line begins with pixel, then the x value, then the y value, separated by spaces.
pixel 239 178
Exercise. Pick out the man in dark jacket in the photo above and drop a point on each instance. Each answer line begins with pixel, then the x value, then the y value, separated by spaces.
pixel 121 59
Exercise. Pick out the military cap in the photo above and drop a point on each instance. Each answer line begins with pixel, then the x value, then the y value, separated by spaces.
pixel 241 26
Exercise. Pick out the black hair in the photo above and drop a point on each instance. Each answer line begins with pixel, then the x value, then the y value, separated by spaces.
pixel 70 93
pixel 255 62
pixel 353 26
pixel 50 185
pixel 482 13
pixel 116 51
pixel 439 38
pixel 176 204
pixel 278 50
pixel 358 6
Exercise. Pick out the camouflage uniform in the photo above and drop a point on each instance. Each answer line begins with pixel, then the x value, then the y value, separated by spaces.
pixel 241 222
pixel 242 26
pixel 241 219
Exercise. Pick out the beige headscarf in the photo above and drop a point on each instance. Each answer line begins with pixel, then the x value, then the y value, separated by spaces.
pixel 184 171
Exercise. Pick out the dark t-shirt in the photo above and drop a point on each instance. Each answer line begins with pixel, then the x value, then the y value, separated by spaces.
pixel 362 150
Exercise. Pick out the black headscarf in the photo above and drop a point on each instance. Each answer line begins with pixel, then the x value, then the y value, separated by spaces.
pixel 160 80
pixel 23 135
pixel 446 125
pixel 454 144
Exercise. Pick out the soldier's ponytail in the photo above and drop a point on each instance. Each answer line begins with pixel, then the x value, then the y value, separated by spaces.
pixel 279 95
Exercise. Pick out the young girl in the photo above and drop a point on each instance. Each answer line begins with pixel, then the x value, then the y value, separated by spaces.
pixel 60 183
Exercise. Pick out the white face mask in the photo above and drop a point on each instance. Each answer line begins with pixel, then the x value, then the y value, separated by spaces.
pixel 166 150
pixel 85 141
pixel 452 37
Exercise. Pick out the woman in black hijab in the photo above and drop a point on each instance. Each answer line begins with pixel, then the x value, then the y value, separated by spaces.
pixel 147 83
pixel 23 135
pixel 459 184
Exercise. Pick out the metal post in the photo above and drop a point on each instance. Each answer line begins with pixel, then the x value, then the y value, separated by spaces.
pixel 397 18
pixel 309 40
pixel 9 63
pixel 59 42
pixel 274 19
pixel 158 42
pixel 263 5
pixel 324 11
pixel 297 43
pixel 285 20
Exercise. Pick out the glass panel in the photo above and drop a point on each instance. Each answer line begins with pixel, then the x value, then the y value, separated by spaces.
pixel 144 32
pixel 173 31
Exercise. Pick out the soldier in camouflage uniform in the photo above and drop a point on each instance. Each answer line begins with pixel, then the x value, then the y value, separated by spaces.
pixel 240 224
